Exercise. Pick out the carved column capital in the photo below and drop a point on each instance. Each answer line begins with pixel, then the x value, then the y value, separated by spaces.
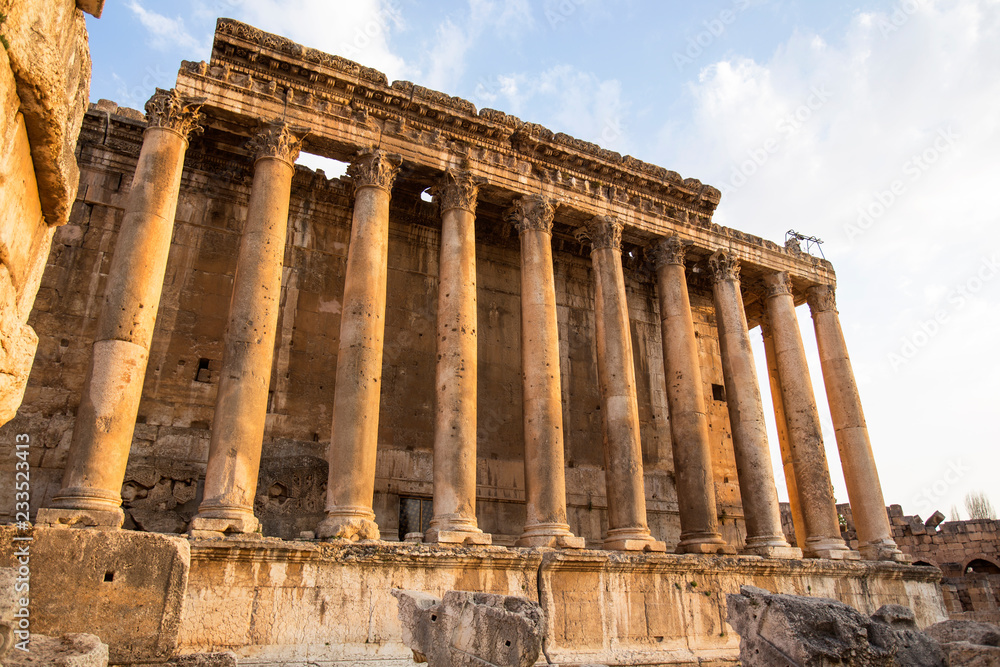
pixel 724 266
pixel 171 110
pixel 375 168
pixel 603 231
pixel 666 251
pixel 457 189
pixel 277 139
pixel 821 298
pixel 777 284
pixel 532 213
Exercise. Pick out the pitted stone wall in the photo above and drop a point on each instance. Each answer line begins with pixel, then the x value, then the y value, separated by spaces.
pixel 170 446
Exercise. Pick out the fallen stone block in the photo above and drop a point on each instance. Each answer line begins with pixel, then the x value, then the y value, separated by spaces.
pixel 964 654
pixel 982 634
pixel 71 650
pixel 897 625
pixel 468 629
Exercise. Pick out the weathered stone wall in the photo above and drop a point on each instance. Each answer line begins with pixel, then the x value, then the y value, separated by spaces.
pixel 44 85
pixel 170 445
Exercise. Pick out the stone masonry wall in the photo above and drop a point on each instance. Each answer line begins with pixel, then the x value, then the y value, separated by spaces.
pixel 170 445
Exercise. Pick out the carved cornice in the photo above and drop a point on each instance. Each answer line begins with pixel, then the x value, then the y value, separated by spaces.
pixel 375 168
pixel 777 284
pixel 821 299
pixel 603 231
pixel 457 189
pixel 724 266
pixel 532 213
pixel 170 109
pixel 277 139
pixel 670 250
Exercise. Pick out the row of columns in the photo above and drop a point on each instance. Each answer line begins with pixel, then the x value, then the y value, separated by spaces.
pixel 90 493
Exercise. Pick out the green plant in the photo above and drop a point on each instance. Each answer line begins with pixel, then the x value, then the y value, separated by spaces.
pixel 3 40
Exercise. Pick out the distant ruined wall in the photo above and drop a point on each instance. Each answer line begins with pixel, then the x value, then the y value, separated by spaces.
pixel 170 445
pixel 44 85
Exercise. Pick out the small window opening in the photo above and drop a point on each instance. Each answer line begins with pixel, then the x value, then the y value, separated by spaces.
pixel 203 373
pixel 415 515
pixel 718 392
pixel 109 576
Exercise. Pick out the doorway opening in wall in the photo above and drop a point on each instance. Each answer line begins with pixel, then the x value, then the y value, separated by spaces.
pixel 331 168
pixel 414 516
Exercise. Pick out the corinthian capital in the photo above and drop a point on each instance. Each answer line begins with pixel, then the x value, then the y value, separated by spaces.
pixel 170 109
pixel 532 213
pixel 457 189
pixel 724 266
pixel 777 284
pixel 603 231
pixel 277 139
pixel 375 168
pixel 821 298
pixel 670 250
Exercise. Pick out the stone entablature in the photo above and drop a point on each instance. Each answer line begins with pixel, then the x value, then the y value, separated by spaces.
pixel 348 107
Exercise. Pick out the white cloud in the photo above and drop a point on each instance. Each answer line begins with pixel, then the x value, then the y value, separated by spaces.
pixel 820 134
pixel 166 33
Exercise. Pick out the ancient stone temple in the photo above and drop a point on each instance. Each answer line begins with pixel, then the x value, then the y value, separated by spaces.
pixel 490 358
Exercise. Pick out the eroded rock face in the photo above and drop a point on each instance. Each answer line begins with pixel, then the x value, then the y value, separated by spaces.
pixel 471 629
pixel 218 659
pixel 897 624
pixel 72 650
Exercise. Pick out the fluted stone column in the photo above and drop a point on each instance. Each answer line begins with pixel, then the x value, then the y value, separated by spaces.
pixel 787 462
pixel 94 473
pixel 812 476
pixel 353 444
pixel 454 520
pixel 627 526
pixel 761 510
pixel 863 487
pixel 241 401
pixel 544 467
pixel 686 400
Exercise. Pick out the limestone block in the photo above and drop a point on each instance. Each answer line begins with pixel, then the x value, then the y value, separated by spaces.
pixel 964 654
pixel 983 634
pixel 92 7
pixel 70 650
pixel 96 580
pixel 471 629
pixel 53 83
pixel 220 659
pixel 790 630
pixel 914 648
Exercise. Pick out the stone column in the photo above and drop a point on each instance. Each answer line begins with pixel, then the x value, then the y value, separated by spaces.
pixel 761 510
pixel 863 487
pixel 241 401
pixel 686 401
pixel 787 463
pixel 354 441
pixel 627 527
pixel 94 473
pixel 544 467
pixel 812 476
pixel 454 520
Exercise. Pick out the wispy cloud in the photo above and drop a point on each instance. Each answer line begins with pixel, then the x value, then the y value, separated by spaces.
pixel 166 33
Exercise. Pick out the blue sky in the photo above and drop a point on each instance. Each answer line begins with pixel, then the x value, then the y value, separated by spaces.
pixel 873 125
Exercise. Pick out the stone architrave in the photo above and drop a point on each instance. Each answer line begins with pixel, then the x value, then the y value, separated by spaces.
pixel 627 525
pixel 354 441
pixel 685 398
pixel 812 476
pixel 544 466
pixel 787 460
pixel 857 459
pixel 454 520
pixel 95 470
pixel 241 401
pixel 761 510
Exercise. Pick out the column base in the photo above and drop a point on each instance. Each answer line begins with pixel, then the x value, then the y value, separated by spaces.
pixel 703 543
pixel 632 539
pixel 830 548
pixel 345 523
pixel 456 530
pixel 885 550
pixel 786 552
pixel 206 524
pixel 550 535
pixel 58 517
